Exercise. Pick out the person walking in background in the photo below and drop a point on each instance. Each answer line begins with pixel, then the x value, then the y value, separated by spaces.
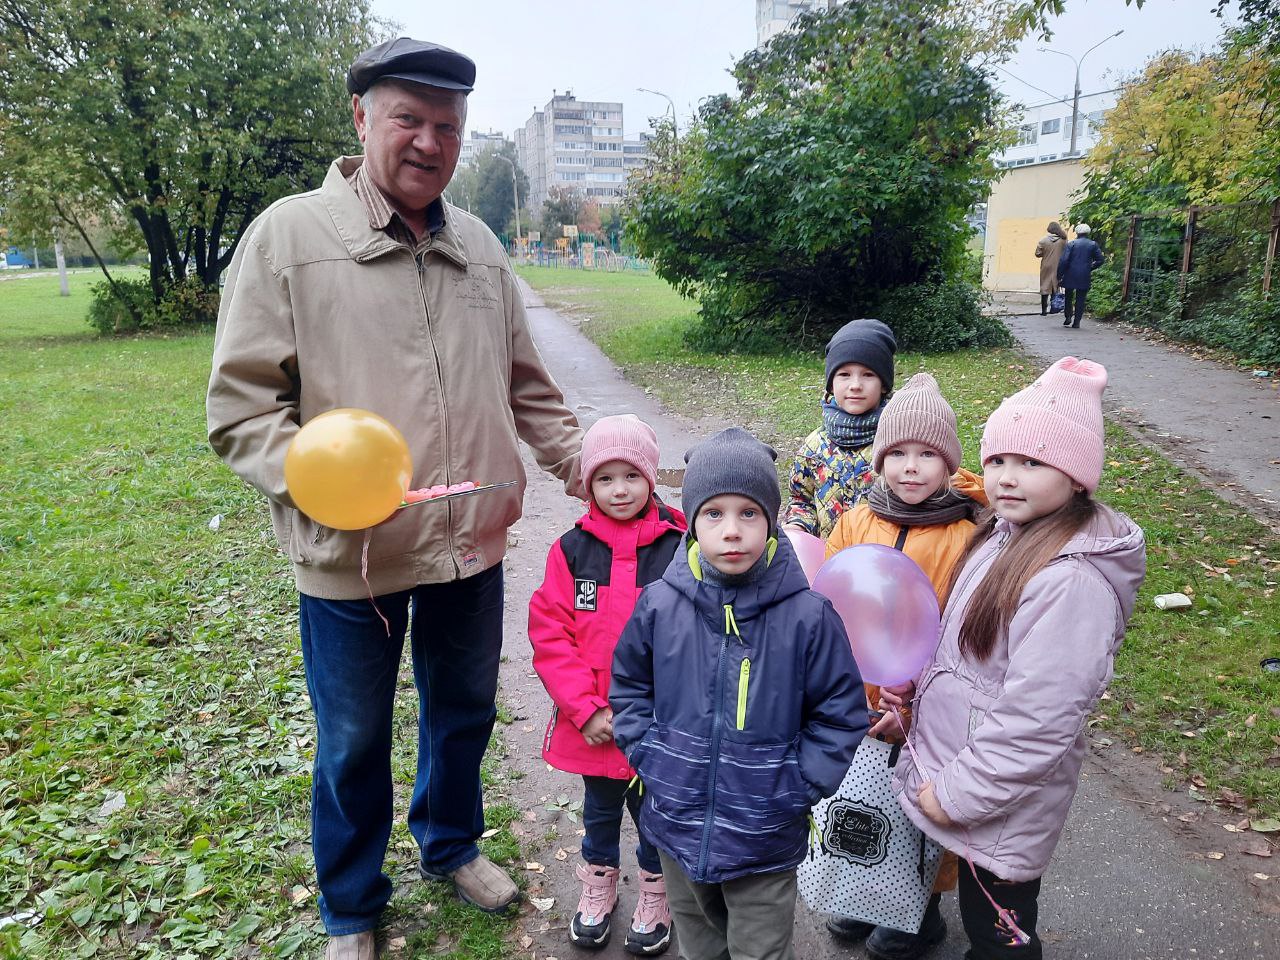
pixel 1075 269
pixel 1049 252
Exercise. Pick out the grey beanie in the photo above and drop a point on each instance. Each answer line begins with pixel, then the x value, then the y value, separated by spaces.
pixel 732 461
pixel 868 342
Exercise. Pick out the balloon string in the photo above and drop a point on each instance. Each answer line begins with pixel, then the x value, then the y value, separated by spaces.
pixel 364 575
pixel 1005 915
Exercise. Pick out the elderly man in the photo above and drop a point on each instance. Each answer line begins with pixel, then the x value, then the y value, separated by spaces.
pixel 1075 271
pixel 372 292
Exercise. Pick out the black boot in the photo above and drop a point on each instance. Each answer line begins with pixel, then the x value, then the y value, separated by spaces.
pixel 849 929
pixel 886 943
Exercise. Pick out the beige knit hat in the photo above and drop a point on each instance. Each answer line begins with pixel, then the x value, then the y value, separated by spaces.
pixel 918 412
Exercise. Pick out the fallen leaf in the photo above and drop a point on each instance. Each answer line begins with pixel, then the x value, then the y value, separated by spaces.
pixel 526 942
pixel 543 904
pixel 1256 847
pixel 1215 855
pixel 396 944
pixel 1262 876
pixel 533 866
pixel 1189 817
pixel 1230 828
pixel 1266 825
pixel 491 832
pixel 1250 720
pixel 562 854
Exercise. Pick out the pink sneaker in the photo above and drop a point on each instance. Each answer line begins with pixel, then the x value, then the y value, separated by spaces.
pixel 650 932
pixel 590 926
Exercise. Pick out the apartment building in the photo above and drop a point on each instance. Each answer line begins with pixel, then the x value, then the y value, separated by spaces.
pixel 1044 131
pixel 578 144
pixel 477 142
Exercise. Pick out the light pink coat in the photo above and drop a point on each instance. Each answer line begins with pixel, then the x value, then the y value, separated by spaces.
pixel 1003 739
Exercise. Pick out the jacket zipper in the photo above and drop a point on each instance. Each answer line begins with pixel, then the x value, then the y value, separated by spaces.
pixel 716 729
pixel 744 680
pixel 444 413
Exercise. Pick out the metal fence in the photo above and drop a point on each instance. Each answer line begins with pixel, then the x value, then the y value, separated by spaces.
pixel 602 259
pixel 1198 254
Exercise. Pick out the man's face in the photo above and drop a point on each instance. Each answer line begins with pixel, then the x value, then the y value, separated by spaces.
pixel 412 136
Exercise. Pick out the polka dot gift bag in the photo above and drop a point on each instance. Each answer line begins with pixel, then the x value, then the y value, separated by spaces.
pixel 866 859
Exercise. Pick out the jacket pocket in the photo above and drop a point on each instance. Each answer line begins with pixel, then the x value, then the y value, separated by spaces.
pixel 744 685
pixel 305 537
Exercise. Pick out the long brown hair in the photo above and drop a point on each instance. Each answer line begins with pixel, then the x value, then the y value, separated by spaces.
pixel 996 599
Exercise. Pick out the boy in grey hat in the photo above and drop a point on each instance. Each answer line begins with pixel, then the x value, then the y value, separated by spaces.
pixel 737 701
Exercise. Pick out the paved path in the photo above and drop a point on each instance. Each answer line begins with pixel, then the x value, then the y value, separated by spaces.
pixel 1218 421
pixel 1130 880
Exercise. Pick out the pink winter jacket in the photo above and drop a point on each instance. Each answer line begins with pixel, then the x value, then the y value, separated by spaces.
pixel 595 574
pixel 1003 739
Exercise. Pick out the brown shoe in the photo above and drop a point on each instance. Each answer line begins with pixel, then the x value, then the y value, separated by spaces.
pixel 355 946
pixel 482 884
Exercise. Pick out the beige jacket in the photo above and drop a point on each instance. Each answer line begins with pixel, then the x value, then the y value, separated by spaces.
pixel 322 311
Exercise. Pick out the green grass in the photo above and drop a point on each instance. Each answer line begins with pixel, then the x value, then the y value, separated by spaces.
pixel 149 660
pixel 1188 687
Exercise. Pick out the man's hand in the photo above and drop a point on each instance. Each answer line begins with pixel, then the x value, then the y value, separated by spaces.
pixel 930 806
pixel 599 729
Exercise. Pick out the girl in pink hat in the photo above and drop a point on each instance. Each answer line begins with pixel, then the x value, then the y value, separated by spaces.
pixel 595 574
pixel 1035 612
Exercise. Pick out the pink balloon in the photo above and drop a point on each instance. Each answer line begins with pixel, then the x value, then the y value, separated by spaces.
pixel 810 551
pixel 889 609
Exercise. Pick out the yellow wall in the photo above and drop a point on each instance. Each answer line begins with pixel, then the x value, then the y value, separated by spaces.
pixel 1022 203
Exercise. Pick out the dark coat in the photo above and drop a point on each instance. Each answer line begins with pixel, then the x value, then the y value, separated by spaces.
pixel 739 708
pixel 1078 262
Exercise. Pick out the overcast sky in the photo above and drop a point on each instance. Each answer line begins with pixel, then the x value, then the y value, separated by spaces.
pixel 605 49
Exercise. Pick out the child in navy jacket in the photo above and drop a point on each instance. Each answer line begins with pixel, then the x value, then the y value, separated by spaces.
pixel 737 701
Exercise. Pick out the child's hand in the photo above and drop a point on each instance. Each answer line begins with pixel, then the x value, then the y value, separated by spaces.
pixel 885 727
pixel 899 695
pixel 930 806
pixel 599 729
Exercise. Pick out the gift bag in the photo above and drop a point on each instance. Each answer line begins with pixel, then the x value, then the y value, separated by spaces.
pixel 1057 302
pixel 866 859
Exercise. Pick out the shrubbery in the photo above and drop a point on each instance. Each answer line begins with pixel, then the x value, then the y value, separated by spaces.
pixel 130 305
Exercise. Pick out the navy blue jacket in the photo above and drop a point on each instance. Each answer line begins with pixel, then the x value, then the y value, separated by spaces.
pixel 1078 262
pixel 739 708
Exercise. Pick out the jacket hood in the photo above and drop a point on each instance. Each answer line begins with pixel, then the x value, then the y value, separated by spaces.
pixel 1115 546
pixel 782 578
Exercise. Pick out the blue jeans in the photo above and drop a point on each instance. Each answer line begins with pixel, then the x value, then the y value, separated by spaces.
pixel 602 804
pixel 456 640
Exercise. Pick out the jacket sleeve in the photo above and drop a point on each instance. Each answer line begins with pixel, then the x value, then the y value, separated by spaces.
pixel 835 708
pixel 1040 248
pixel 631 686
pixel 251 409
pixel 568 678
pixel 801 511
pixel 542 419
pixel 1063 261
pixel 841 535
pixel 1098 257
pixel 1060 658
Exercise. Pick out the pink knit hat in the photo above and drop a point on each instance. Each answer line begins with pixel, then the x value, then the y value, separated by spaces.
pixel 1058 420
pixel 624 437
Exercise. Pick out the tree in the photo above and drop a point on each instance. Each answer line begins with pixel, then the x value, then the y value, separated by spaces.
pixel 842 171
pixel 563 205
pixel 175 123
pixel 492 201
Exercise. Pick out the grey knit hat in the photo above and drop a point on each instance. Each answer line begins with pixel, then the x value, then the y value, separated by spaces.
pixel 868 342
pixel 918 412
pixel 732 461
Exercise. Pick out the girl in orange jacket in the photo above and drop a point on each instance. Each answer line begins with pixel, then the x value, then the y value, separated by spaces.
pixel 924 504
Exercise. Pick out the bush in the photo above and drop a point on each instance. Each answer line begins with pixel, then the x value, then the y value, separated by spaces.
pixel 941 315
pixel 188 301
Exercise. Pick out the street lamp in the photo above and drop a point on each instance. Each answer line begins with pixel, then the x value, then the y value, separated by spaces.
pixel 515 192
pixel 675 132
pixel 1075 103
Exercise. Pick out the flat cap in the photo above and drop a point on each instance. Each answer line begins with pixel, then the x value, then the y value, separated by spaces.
pixel 413 60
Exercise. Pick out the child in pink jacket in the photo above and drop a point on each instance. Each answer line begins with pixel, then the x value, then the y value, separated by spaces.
pixel 1034 616
pixel 594 577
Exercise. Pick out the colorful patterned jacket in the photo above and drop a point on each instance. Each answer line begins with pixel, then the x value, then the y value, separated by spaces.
pixel 826 480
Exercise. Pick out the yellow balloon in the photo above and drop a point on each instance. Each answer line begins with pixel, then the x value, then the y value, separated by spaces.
pixel 348 469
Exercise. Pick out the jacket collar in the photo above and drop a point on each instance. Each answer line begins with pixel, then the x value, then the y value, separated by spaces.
pixel 362 241
pixel 782 579
pixel 656 520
